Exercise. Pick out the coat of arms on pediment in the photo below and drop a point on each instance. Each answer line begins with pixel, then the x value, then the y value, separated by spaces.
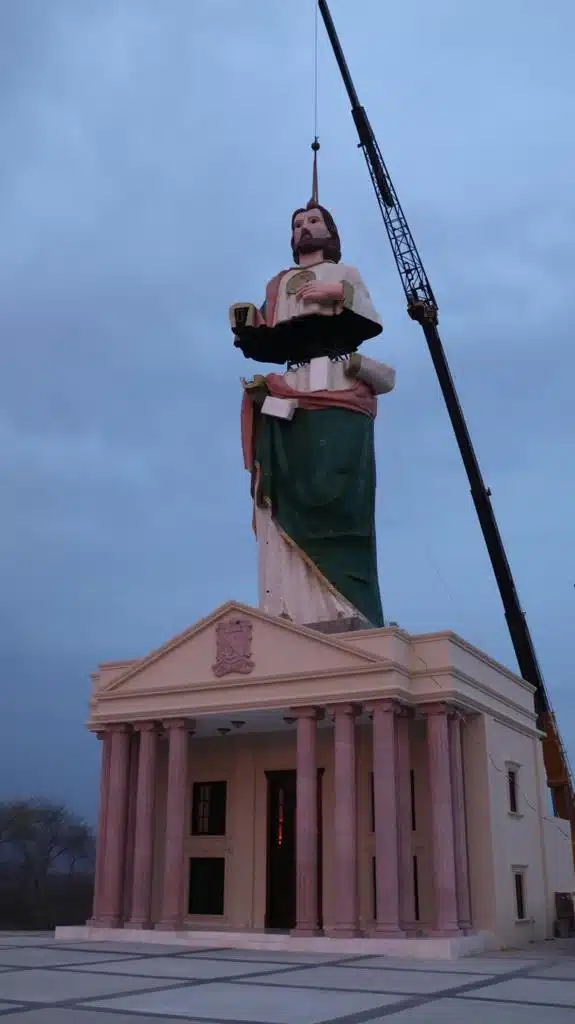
pixel 233 647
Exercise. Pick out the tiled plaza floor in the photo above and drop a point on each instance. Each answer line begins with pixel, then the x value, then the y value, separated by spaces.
pixel 44 982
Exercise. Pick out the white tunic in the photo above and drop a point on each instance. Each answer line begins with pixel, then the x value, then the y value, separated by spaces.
pixel 356 295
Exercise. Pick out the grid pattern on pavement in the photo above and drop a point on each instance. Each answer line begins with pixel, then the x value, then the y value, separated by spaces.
pixel 48 982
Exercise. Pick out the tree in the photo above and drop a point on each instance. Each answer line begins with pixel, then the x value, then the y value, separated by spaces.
pixel 44 849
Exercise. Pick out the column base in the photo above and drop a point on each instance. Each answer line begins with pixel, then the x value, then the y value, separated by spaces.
pixel 444 933
pixel 107 922
pixel 169 926
pixel 344 932
pixel 304 932
pixel 139 926
pixel 387 932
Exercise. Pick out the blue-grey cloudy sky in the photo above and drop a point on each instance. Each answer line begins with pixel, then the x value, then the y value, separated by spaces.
pixel 152 152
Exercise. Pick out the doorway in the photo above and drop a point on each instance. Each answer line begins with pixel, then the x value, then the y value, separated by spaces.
pixel 281 866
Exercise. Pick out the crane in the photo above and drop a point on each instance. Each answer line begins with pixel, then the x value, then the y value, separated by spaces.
pixel 422 307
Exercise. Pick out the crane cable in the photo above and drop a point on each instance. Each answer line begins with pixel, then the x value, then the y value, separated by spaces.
pixel 315 143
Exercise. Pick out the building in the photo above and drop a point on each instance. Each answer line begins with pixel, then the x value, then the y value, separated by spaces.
pixel 262 780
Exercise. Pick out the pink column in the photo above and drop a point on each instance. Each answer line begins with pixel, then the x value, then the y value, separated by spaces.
pixel 459 823
pixel 442 841
pixel 106 740
pixel 176 825
pixel 306 823
pixel 144 828
pixel 404 823
pixel 385 814
pixel 345 823
pixel 110 914
pixel 131 826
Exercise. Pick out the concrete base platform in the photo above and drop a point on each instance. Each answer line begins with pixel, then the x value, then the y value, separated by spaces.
pixel 420 948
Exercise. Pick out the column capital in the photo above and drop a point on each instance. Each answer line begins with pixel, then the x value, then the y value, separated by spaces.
pixel 444 707
pixel 179 723
pixel 344 710
pixel 387 706
pixel 106 728
pixel 458 714
pixel 440 707
pixel 151 726
pixel 308 712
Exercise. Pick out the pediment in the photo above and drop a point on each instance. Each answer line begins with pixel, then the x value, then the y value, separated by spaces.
pixel 238 643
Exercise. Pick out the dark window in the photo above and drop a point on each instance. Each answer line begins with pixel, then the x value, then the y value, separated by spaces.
pixel 512 783
pixel 209 809
pixel 412 785
pixel 416 887
pixel 374 887
pixel 371 804
pixel 520 895
pixel 206 893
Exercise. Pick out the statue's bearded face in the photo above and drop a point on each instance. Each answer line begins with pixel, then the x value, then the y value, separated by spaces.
pixel 310 231
pixel 313 229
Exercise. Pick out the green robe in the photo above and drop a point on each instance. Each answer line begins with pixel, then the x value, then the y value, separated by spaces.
pixel 317 473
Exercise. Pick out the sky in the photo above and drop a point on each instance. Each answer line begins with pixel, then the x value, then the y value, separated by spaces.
pixel 152 154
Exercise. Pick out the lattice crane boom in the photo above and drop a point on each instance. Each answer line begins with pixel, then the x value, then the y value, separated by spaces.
pixel 423 308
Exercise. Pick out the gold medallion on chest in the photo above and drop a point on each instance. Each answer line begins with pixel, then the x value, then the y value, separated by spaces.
pixel 298 280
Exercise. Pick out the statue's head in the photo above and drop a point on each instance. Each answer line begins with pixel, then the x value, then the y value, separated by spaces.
pixel 313 230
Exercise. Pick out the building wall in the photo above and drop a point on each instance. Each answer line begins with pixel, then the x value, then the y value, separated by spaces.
pixel 558 856
pixel 557 845
pixel 517 839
